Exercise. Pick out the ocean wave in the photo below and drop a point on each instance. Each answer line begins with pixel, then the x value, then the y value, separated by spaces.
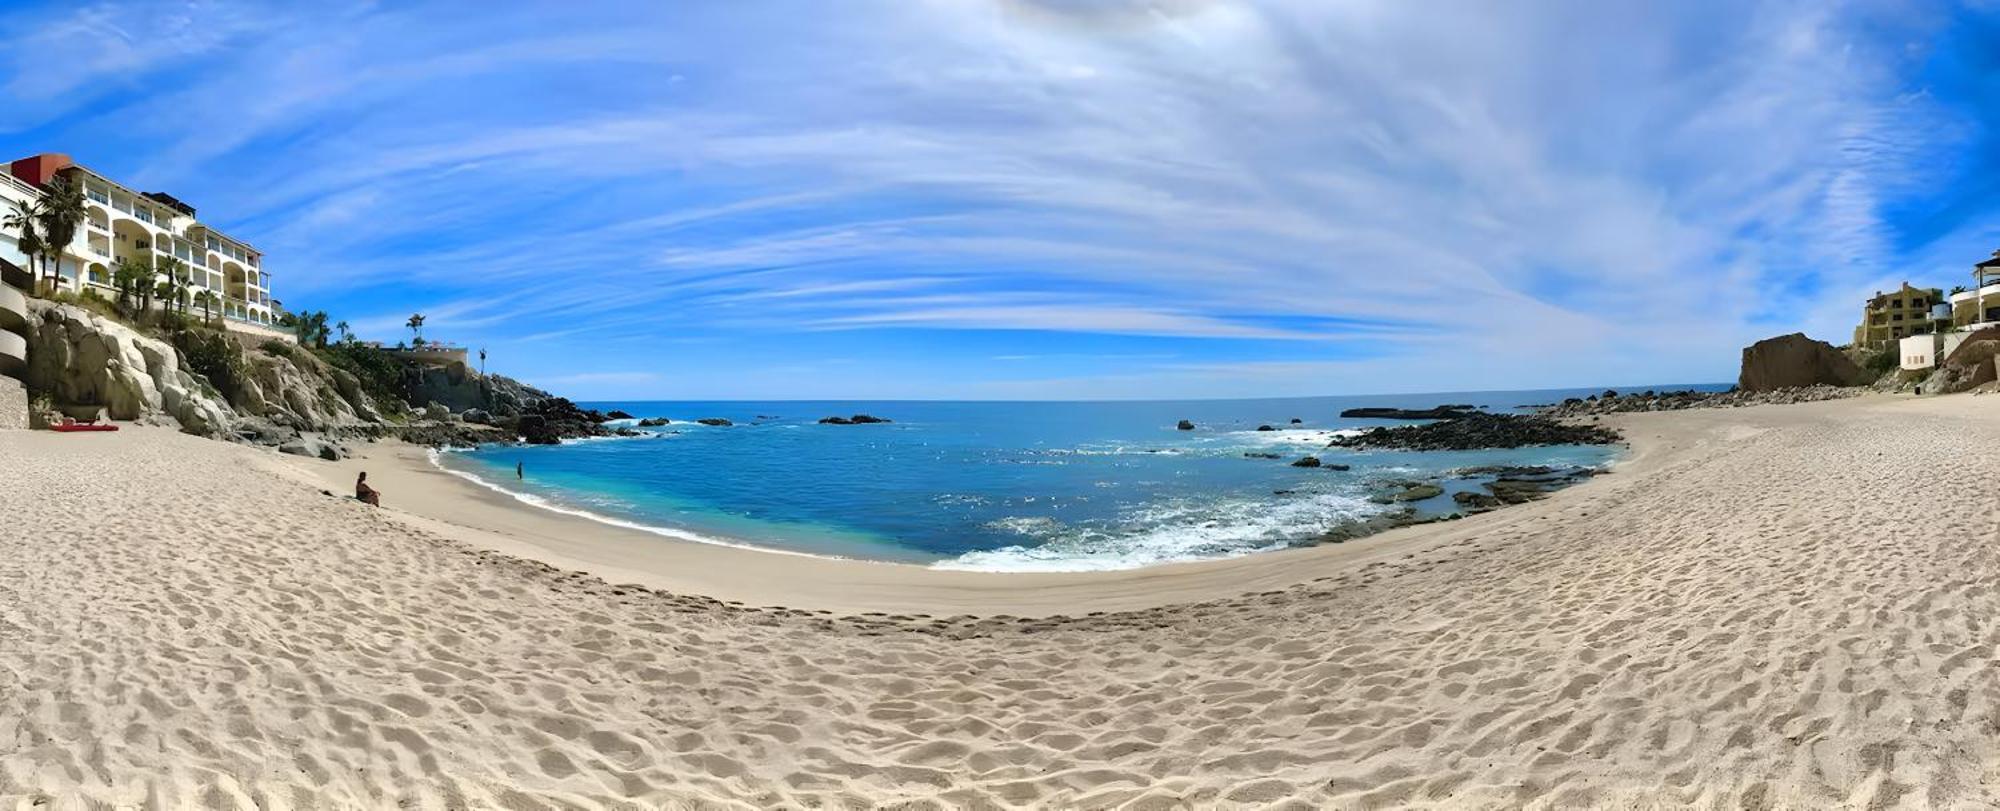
pixel 1303 437
pixel 1172 532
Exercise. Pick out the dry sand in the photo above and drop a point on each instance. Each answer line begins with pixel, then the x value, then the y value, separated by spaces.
pixel 1790 606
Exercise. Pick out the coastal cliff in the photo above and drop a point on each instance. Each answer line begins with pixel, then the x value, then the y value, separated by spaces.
pixel 84 363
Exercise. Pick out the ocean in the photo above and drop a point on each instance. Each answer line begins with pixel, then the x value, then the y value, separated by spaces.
pixel 1000 486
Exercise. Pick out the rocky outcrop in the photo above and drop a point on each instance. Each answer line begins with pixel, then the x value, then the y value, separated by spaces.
pixel 1613 403
pixel 653 422
pixel 1309 461
pixel 616 414
pixel 714 422
pixel 551 419
pixel 1443 412
pixel 1479 430
pixel 858 419
pixel 1791 361
pixel 1185 425
pixel 87 363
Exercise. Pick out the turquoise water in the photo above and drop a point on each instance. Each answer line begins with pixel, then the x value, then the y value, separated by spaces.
pixel 1007 486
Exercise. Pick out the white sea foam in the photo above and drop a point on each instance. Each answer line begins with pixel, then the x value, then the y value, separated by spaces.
pixel 1181 530
pixel 1303 437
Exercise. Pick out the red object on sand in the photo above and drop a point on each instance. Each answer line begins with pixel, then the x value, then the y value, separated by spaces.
pixel 73 427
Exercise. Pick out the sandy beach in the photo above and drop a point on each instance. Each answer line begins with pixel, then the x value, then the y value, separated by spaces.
pixel 1785 606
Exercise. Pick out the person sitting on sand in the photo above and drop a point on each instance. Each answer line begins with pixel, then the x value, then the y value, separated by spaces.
pixel 365 494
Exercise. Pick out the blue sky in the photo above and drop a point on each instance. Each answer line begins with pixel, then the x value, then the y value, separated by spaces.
pixel 1053 198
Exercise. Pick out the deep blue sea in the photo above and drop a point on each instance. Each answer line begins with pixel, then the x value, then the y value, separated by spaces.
pixel 1004 486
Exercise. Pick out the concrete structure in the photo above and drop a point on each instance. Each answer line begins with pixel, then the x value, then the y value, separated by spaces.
pixel 122 223
pixel 13 346
pixel 1921 351
pixel 432 354
pixel 1890 317
pixel 1979 307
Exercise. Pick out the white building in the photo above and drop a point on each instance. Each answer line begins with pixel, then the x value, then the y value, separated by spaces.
pixel 120 222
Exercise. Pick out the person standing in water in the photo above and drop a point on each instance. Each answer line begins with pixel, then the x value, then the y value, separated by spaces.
pixel 518 470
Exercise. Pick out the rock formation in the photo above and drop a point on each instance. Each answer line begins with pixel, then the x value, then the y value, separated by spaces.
pixel 1477 430
pixel 1443 412
pixel 1791 361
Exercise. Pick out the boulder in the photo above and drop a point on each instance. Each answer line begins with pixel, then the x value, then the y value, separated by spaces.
pixel 437 412
pixel 1185 425
pixel 1265 428
pixel 1309 461
pixel 1794 360
pixel 1415 491
pixel 1261 455
pixel 716 421
pixel 835 421
pixel 653 422
pixel 477 416
pixel 617 415
pixel 1297 421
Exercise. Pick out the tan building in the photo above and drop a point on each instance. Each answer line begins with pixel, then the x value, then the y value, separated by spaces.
pixel 1891 317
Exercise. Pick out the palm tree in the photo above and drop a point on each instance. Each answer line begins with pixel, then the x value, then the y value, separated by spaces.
pixel 174 287
pixel 416 325
pixel 345 335
pixel 27 219
pixel 131 276
pixel 62 213
pixel 207 299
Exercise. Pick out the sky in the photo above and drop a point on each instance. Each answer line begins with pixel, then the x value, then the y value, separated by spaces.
pixel 1052 199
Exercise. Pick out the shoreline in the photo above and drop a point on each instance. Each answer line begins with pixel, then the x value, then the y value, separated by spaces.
pixel 1760 607
pixel 426 496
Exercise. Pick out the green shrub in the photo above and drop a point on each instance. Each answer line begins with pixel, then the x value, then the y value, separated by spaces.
pixel 210 354
pixel 1881 363
pixel 381 376
pixel 276 347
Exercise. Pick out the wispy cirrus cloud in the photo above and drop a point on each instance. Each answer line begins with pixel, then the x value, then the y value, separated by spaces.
pixel 1321 192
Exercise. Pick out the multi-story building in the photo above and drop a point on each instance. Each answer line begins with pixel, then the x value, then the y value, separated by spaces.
pixel 1979 307
pixel 1890 317
pixel 122 223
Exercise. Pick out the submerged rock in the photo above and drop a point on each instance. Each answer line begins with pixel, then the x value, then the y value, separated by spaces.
pixel 1265 428
pixel 714 421
pixel 1261 455
pixel 1310 461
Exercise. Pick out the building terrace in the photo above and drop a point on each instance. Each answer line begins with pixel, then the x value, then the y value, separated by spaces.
pixel 122 223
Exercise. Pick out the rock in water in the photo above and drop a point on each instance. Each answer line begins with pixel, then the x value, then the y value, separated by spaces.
pixel 1794 360
pixel 864 419
pixel 714 421
pixel 1476 430
pixel 1265 428
pixel 1443 412
pixel 1185 425
pixel 1310 461
pixel 617 414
